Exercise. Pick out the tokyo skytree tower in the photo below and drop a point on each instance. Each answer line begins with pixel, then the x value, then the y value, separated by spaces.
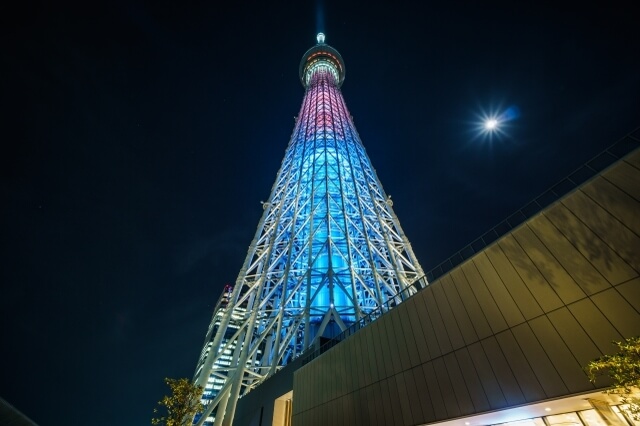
pixel 328 250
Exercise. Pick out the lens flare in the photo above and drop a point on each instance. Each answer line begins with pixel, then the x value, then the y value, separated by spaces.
pixel 491 124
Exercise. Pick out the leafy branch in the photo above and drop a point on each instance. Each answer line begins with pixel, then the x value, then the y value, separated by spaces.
pixel 623 368
pixel 181 405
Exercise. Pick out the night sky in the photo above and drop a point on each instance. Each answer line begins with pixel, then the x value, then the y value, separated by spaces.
pixel 138 140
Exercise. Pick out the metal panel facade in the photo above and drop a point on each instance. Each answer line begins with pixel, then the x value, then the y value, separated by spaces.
pixel 512 325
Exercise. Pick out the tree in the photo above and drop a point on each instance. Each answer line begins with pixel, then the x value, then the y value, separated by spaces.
pixel 624 370
pixel 181 405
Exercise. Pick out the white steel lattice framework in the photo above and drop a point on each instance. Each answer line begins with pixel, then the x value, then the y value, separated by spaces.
pixel 328 250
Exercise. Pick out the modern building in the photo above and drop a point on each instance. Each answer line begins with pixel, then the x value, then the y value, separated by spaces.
pixel 503 331
pixel 329 251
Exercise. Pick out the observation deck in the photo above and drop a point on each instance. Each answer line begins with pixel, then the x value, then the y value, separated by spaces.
pixel 321 56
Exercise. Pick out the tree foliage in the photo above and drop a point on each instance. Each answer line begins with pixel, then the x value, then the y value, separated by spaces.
pixel 624 370
pixel 181 405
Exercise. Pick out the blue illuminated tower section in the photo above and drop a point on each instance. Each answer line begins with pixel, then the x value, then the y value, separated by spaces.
pixel 328 250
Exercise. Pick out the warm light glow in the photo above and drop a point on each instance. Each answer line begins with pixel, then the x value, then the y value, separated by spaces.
pixel 547 409
pixel 320 38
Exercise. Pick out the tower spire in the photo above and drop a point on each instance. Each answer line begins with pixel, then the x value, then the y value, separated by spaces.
pixel 328 250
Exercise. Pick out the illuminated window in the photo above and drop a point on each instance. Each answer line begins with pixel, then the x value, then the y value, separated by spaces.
pixel 592 418
pixel 622 412
pixel 566 419
pixel 527 422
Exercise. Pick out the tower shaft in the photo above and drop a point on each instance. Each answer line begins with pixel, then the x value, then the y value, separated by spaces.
pixel 328 250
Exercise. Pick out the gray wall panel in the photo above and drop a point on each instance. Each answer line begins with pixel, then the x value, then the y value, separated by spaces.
pixel 398 412
pixel 371 351
pixel 350 376
pixel 386 402
pixel 592 247
pixel 345 367
pixel 631 292
pixel 331 412
pixel 356 364
pixel 513 283
pixel 611 192
pixel 446 388
pixel 579 343
pixel 633 159
pixel 364 377
pixel 368 358
pixel 409 338
pixel 416 327
pixel 489 381
pixel 378 349
pixel 618 235
pixel 355 407
pixel 594 254
pixel 332 376
pixel 403 399
pixel 563 360
pixel 540 363
pixel 438 326
pixel 400 342
pixel 545 262
pixel 527 381
pixel 595 325
pixel 627 178
pixel 474 386
pixel 427 327
pixel 434 391
pixel 498 291
pixel 414 398
pixel 580 270
pixel 510 388
pixel 377 406
pixel 537 284
pixel 339 417
pixel 448 319
pixel 370 397
pixel 342 362
pixel 422 391
pixel 459 385
pixel 461 316
pixel 618 311
pixel 343 413
pixel 347 418
pixel 484 297
pixel 470 303
pixel 386 349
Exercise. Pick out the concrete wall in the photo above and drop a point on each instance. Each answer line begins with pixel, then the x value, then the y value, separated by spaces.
pixel 513 325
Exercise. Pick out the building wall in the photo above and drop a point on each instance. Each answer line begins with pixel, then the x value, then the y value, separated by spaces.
pixel 513 325
pixel 258 406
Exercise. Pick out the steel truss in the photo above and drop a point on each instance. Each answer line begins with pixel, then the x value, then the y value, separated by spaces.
pixel 328 250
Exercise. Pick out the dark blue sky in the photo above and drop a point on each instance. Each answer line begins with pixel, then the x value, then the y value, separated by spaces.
pixel 140 137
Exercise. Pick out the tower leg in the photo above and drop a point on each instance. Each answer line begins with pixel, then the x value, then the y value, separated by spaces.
pixel 222 410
